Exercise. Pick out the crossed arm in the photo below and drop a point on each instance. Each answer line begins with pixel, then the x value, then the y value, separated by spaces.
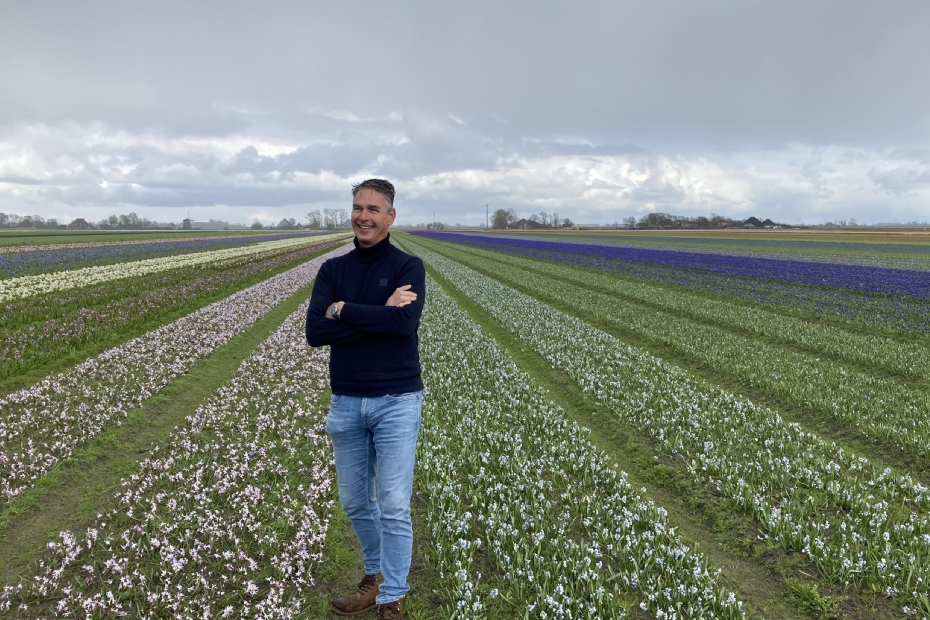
pixel 400 314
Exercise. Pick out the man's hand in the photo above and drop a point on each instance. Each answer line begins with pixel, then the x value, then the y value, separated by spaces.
pixel 401 297
pixel 338 312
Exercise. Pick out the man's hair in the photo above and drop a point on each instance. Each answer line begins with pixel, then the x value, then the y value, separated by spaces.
pixel 379 185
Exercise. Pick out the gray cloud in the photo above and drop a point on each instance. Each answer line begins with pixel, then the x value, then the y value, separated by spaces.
pixel 604 108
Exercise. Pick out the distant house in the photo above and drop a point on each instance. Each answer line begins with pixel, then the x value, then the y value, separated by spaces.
pixel 79 224
pixel 285 225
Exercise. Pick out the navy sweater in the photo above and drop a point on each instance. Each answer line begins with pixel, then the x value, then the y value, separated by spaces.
pixel 373 347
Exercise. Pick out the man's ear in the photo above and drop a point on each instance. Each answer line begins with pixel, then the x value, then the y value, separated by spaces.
pixel 391 215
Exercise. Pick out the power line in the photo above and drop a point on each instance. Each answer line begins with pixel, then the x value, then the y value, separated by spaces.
pixel 487 220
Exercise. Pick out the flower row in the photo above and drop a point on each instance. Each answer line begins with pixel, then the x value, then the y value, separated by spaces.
pixel 903 282
pixel 869 404
pixel 905 359
pixel 516 491
pixel 30 286
pixel 226 519
pixel 856 307
pixel 858 524
pixel 90 315
pixel 28 260
pixel 42 425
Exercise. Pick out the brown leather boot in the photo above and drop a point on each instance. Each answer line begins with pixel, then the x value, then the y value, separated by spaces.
pixel 361 600
pixel 391 611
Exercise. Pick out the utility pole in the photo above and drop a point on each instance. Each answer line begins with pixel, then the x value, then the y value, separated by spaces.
pixel 487 221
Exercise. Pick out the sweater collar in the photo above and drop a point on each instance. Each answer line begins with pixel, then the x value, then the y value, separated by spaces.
pixel 369 255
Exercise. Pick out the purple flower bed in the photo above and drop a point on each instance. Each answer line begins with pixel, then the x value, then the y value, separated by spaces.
pixel 45 261
pixel 879 310
pixel 906 282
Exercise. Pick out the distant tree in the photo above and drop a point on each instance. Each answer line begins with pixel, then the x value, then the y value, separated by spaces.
pixel 314 220
pixel 256 225
pixel 629 222
pixel 332 219
pixel 567 223
pixel 512 217
pixel 500 219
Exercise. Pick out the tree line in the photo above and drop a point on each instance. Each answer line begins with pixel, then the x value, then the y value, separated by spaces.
pixel 12 220
pixel 508 218
pixel 328 218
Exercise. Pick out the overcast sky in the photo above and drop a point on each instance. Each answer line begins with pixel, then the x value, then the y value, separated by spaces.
pixel 796 111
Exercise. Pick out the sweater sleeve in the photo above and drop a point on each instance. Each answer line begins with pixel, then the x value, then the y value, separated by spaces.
pixel 391 319
pixel 321 331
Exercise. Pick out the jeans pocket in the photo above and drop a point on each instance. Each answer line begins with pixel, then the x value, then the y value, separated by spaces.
pixel 335 399
pixel 404 396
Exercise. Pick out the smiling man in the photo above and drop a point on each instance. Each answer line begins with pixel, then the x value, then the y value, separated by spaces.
pixel 366 306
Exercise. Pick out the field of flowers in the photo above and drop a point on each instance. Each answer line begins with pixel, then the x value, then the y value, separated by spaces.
pixel 524 511
pixel 810 299
pixel 36 335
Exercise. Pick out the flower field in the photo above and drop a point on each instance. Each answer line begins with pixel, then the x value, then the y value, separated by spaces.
pixel 603 436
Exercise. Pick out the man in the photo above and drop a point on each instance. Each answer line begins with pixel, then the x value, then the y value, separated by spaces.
pixel 366 306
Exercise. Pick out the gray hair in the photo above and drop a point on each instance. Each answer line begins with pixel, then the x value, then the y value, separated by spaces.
pixel 381 186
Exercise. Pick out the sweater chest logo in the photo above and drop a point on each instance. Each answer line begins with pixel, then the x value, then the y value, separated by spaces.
pixel 382 282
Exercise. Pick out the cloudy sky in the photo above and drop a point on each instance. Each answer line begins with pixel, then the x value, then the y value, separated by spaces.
pixel 797 111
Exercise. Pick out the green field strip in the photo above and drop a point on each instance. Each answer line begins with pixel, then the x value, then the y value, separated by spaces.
pixel 72 494
pixel 728 539
pixel 906 362
pixel 880 449
pixel 26 379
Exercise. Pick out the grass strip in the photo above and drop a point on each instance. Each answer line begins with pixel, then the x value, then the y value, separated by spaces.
pixel 80 487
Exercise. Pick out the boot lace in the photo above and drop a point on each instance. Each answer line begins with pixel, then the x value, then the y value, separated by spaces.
pixel 367 583
pixel 389 611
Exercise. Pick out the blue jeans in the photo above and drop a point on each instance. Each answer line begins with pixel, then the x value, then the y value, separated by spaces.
pixel 378 436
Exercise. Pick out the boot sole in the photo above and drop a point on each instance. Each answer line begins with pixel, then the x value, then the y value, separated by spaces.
pixel 339 612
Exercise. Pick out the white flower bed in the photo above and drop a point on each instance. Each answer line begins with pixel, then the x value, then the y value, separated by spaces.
pixel 514 485
pixel 226 519
pixel 30 286
pixel 858 524
pixel 42 425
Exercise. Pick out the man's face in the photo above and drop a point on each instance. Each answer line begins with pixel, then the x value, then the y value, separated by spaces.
pixel 371 217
